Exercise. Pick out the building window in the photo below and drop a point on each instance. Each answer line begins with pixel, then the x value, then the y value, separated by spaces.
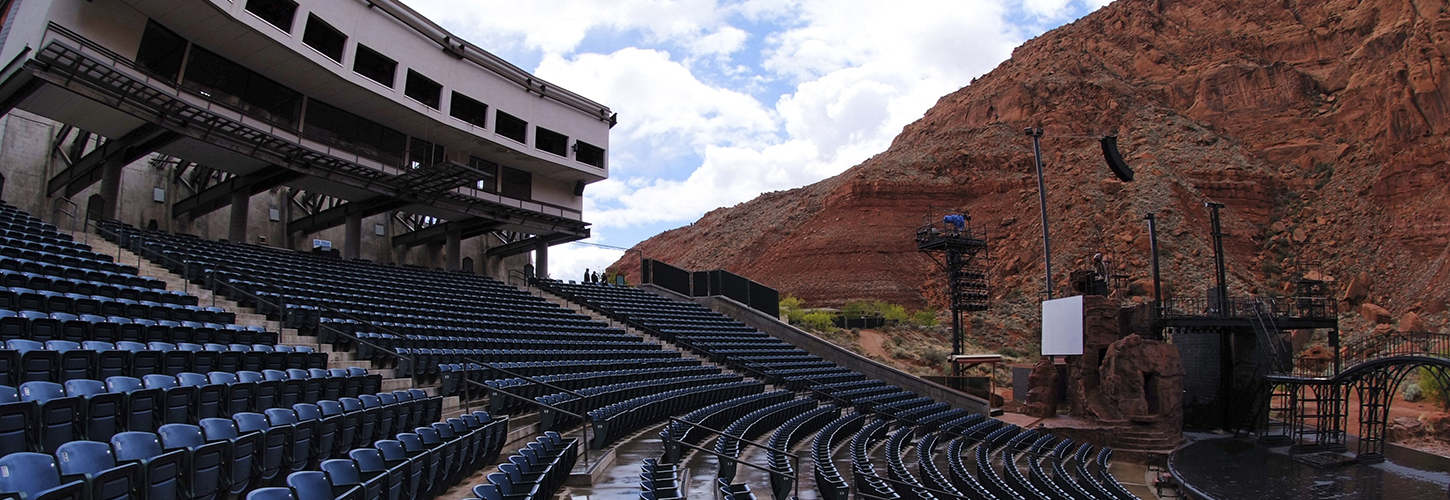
pixel 508 126
pixel 466 109
pixel 517 184
pixel 161 51
pixel 278 13
pixel 337 127
pixel 423 90
pixel 323 37
pixel 487 173
pixel 589 154
pixel 422 153
pixel 221 79
pixel 551 141
pixel 374 66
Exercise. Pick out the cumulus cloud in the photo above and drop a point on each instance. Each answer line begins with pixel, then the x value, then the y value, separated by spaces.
pixel 721 101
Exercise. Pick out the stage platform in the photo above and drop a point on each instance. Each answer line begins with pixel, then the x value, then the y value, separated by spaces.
pixel 1222 467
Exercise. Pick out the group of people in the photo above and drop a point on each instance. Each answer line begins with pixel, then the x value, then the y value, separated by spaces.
pixel 594 277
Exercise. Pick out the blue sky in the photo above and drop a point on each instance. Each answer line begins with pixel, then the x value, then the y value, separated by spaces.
pixel 720 101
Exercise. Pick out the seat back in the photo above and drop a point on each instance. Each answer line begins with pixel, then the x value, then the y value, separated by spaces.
pixel 161 472
pixel 28 474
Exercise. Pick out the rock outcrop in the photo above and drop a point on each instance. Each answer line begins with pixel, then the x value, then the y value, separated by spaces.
pixel 1323 125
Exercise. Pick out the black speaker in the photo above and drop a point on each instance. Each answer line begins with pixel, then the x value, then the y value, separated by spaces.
pixel 1115 159
pixel 579 186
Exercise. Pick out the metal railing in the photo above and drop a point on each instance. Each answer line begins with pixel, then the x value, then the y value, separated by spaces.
pixel 1426 344
pixel 1242 307
pixel 795 479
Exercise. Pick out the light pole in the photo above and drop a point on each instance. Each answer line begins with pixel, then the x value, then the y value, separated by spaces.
pixel 1036 135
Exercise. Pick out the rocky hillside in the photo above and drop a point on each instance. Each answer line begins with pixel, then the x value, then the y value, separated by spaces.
pixel 1321 124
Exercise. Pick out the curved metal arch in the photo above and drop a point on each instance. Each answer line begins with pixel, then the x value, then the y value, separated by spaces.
pixel 1354 373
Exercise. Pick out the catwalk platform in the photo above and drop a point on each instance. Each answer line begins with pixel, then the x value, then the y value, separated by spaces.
pixel 1225 468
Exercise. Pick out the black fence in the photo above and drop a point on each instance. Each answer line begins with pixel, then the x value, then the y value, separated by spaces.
pixel 708 283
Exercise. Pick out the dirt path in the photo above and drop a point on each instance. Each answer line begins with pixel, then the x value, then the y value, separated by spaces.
pixel 874 343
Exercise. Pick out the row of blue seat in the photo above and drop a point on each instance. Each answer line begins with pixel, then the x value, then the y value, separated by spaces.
pixel 25 299
pixel 785 437
pixel 41 326
pixel 24 360
pixel 596 402
pixel 526 390
pixel 675 436
pixel 535 472
pixel 39 416
pixel 93 283
pixel 610 423
pixel 752 425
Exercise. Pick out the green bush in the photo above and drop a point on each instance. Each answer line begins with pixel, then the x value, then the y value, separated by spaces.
pixel 924 317
pixel 1434 387
pixel 1009 352
pixel 820 321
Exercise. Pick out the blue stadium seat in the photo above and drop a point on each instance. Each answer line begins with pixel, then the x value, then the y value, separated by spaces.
pixel 178 402
pixel 160 471
pixel 429 459
pixel 272 493
pixel 204 476
pixel 58 416
pixel 396 457
pixel 34 476
pixel 325 440
pixel 94 463
pixel 143 406
pixel 242 449
pixel 74 362
pixel 239 396
pixel 36 363
pixel 370 464
pixel 343 473
pixel 275 441
pixel 313 485
pixel 302 435
pixel 103 410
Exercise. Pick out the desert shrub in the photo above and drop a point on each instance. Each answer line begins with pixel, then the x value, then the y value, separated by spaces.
pixel 1413 392
pixel 1009 352
pixel 900 353
pixel 934 356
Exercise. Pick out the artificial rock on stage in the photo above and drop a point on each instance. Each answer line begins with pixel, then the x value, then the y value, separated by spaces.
pixel 1125 391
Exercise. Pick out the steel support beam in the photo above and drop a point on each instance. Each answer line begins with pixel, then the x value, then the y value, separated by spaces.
pixel 126 149
pixel 467 228
pixel 337 216
pixel 220 195
pixel 530 244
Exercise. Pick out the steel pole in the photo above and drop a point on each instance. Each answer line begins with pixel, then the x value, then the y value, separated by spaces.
pixel 1036 134
pixel 1157 281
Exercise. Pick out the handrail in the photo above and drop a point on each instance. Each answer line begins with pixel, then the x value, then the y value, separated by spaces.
pixel 1429 344
pixel 795 478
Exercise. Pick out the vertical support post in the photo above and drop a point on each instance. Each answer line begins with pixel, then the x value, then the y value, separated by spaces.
pixel 451 248
pixel 352 236
pixel 110 190
pixel 541 259
pixel 1157 280
pixel 241 204
pixel 1036 134
pixel 1220 272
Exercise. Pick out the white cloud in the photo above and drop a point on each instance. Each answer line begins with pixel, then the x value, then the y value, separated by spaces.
pixel 568 261
pixel 707 120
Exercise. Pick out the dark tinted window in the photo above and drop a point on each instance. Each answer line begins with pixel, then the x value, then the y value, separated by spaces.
pixel 337 127
pixel 588 154
pixel 323 37
pixel 223 80
pixel 517 184
pixel 422 153
pixel 278 13
pixel 469 110
pixel 551 141
pixel 488 173
pixel 422 89
pixel 375 66
pixel 508 126
pixel 161 51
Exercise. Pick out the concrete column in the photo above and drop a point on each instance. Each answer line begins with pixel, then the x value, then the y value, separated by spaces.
pixel 541 260
pixel 111 186
pixel 352 236
pixel 241 205
pixel 451 247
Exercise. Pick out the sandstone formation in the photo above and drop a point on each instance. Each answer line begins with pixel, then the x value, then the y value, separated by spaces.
pixel 1042 394
pixel 1321 124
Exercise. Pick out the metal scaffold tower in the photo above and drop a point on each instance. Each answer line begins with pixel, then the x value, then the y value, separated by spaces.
pixel 959 250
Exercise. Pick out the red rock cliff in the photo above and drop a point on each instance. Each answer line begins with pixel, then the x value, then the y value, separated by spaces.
pixel 1322 124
